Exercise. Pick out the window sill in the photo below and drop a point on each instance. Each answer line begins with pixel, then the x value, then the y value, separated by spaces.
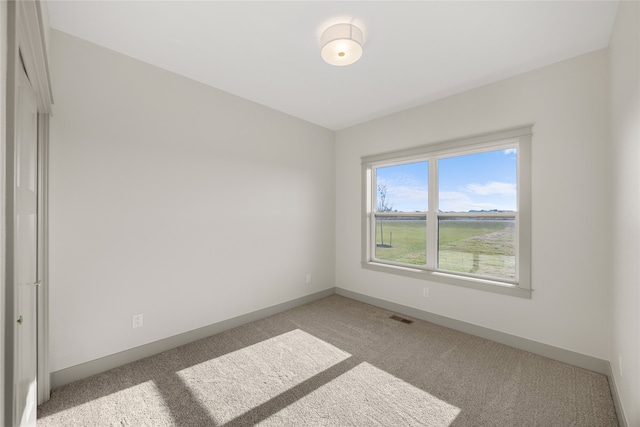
pixel 451 279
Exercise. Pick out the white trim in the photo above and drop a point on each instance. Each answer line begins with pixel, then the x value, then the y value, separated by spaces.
pixel 366 218
pixel 3 134
pixel 505 214
pixel 556 353
pixel 622 417
pixel 450 279
pixel 25 38
pixel 9 191
pixel 78 372
pixel 401 214
pixel 492 139
pixel 34 54
pixel 44 379
pixel 432 216
pixel 31 39
pixel 93 367
pixel 516 137
pixel 580 360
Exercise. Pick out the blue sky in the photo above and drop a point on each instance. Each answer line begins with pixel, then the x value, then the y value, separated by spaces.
pixel 481 181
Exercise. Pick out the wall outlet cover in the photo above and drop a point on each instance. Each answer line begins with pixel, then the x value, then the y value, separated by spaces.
pixel 137 320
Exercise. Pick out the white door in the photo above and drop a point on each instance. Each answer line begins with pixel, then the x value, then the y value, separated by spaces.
pixel 25 254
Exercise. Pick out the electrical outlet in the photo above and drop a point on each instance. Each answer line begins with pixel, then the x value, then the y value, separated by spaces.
pixel 137 320
pixel 425 292
pixel 308 278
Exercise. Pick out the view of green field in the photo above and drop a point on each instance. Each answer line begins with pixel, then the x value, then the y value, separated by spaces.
pixel 481 246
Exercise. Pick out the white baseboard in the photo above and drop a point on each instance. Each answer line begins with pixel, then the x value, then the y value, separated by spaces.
pixel 93 367
pixel 555 353
pixel 562 355
pixel 622 418
pixel 84 370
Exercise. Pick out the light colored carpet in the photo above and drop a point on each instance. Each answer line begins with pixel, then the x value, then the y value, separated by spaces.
pixel 337 362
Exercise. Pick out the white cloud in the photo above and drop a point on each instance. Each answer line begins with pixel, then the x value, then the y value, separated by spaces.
pixel 407 193
pixel 493 188
pixel 406 198
pixel 510 151
pixel 453 196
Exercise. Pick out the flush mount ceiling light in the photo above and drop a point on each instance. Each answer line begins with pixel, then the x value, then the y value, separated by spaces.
pixel 341 44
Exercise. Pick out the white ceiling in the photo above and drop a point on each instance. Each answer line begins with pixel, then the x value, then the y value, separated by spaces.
pixel 269 52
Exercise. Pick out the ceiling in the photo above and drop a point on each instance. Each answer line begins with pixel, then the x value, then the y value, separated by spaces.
pixel 269 52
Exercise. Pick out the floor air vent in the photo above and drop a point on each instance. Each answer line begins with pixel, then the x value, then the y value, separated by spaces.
pixel 401 319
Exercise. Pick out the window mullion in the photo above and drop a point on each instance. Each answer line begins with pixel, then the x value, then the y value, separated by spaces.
pixel 372 210
pixel 477 247
pixel 432 217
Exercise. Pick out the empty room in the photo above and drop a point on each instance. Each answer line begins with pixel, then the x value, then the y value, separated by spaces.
pixel 304 213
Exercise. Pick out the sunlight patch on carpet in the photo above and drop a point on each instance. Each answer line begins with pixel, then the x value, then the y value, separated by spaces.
pixel 235 383
pixel 366 395
pixel 116 406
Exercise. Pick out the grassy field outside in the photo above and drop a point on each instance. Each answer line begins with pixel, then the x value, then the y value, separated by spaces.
pixel 485 247
pixel 404 241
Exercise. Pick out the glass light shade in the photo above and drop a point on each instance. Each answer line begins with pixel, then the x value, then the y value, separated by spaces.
pixel 342 44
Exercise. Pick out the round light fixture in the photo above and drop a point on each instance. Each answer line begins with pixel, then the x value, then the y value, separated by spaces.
pixel 341 44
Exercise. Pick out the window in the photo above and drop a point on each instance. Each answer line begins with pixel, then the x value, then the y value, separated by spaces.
pixel 456 212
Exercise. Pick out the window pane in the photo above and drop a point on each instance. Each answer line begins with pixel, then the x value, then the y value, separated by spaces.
pixel 402 188
pixel 482 246
pixel 401 239
pixel 478 182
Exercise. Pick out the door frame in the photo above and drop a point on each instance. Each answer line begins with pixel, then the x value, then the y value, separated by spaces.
pixel 25 43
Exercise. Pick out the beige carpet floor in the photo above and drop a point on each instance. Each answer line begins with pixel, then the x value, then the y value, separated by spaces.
pixel 337 362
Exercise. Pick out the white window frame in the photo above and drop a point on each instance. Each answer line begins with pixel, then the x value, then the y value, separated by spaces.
pixel 519 138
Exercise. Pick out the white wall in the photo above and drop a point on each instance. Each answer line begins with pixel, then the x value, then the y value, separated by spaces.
pixel 571 279
pixel 175 200
pixel 624 51
pixel 190 205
